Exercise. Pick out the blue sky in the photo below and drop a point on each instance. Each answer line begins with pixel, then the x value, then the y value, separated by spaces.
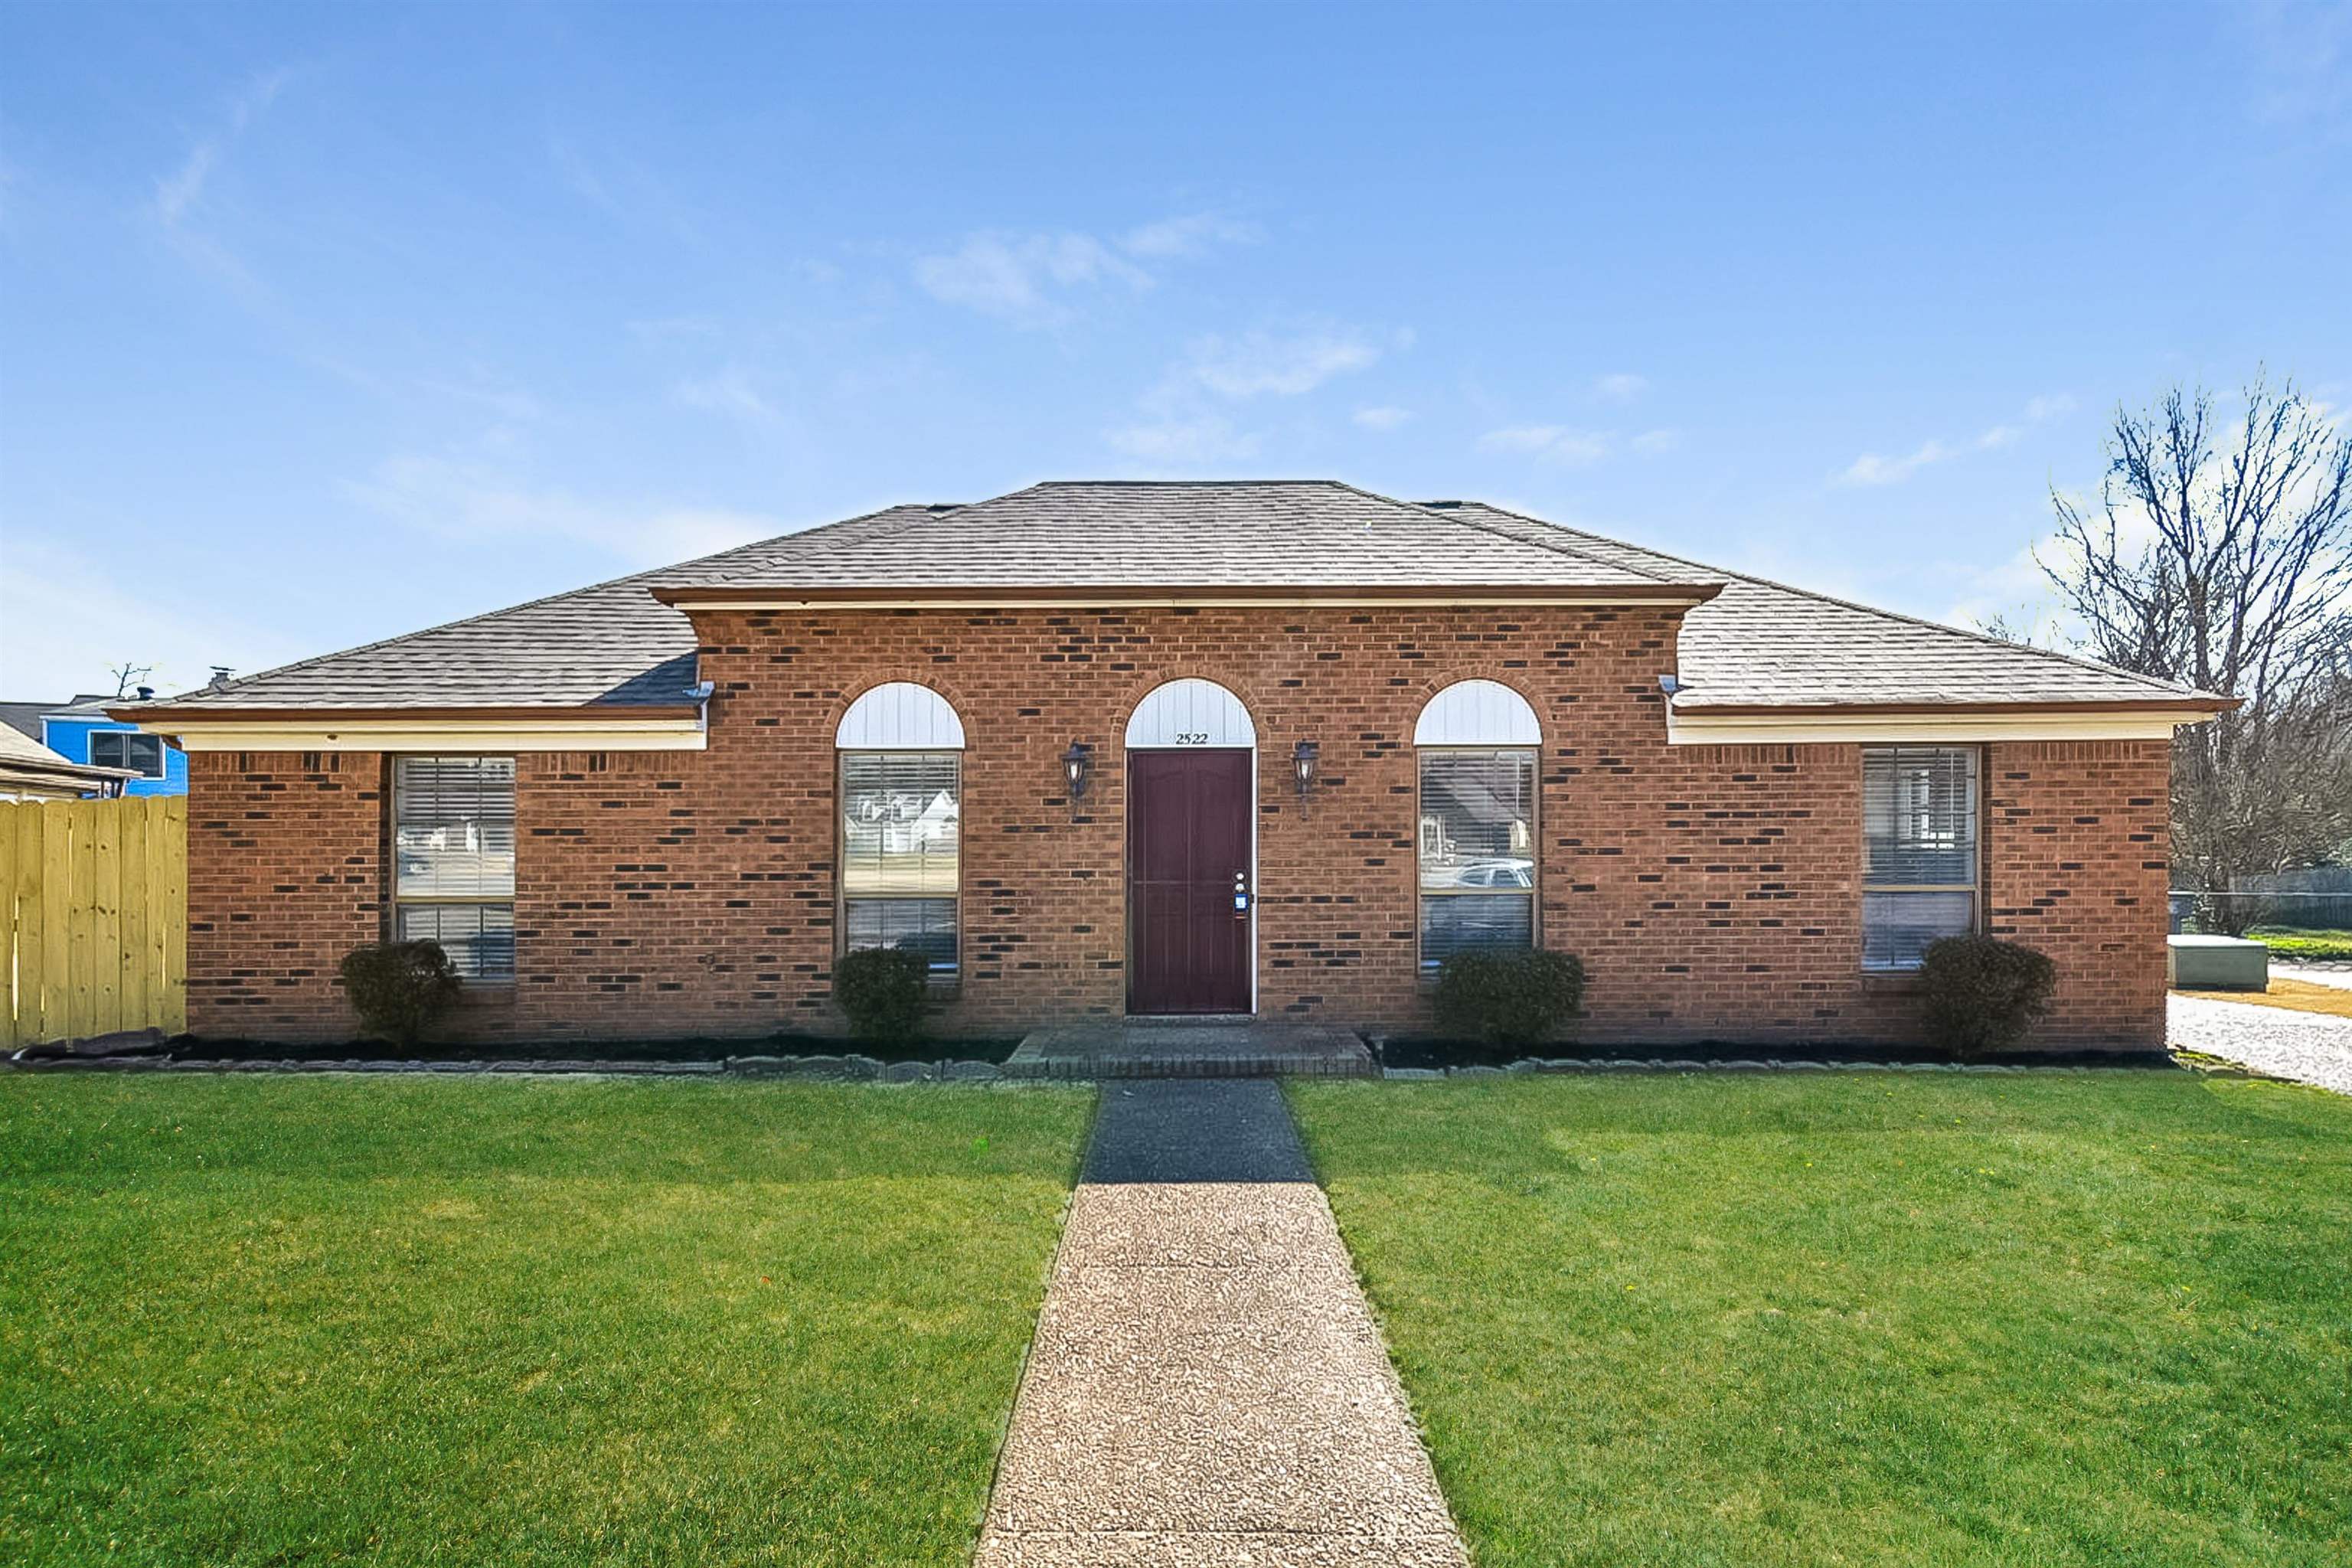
pixel 324 323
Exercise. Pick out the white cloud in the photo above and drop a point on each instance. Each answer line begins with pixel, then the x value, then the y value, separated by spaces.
pixel 181 192
pixel 1255 364
pixel 1196 233
pixel 456 499
pixel 1183 422
pixel 1184 442
pixel 1384 417
pixel 1031 279
pixel 1870 469
pixel 64 617
pixel 732 394
pixel 1621 387
pixel 1656 443
pixel 1017 277
pixel 1552 443
pixel 176 192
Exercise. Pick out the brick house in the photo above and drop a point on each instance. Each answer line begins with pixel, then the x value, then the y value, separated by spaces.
pixel 1269 748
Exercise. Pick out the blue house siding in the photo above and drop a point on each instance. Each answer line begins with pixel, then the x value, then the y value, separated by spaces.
pixel 69 738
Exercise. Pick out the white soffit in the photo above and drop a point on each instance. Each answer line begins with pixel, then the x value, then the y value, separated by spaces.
pixel 1190 713
pixel 1477 713
pixel 900 716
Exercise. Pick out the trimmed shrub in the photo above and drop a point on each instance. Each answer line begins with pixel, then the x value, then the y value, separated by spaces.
pixel 1983 993
pixel 1516 998
pixel 884 990
pixel 400 989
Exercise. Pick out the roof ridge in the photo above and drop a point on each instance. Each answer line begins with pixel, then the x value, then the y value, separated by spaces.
pixel 1988 639
pixel 918 511
pixel 203 692
pixel 1439 511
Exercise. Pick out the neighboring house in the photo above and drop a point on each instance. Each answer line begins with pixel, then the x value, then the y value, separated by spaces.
pixel 82 731
pixel 30 771
pixel 25 718
pixel 1249 748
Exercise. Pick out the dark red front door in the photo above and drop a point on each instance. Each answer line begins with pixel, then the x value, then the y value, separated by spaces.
pixel 1188 859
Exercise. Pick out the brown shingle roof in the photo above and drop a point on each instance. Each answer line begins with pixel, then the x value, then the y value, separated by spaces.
pixel 1757 644
pixel 1760 644
pixel 1310 534
pixel 613 644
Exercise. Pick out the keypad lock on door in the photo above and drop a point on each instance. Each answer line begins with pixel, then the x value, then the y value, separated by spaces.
pixel 1241 895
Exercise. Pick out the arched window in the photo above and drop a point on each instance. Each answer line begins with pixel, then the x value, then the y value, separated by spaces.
pixel 1190 713
pixel 1476 742
pixel 900 750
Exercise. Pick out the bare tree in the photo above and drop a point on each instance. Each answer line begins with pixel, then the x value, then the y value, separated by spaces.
pixel 2218 553
pixel 126 676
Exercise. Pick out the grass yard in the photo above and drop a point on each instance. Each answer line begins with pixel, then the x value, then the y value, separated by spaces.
pixel 1864 1320
pixel 2296 996
pixel 2303 944
pixel 404 1320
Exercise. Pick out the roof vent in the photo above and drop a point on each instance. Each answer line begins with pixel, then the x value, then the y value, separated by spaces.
pixel 938 506
pixel 146 693
pixel 1442 505
pixel 219 682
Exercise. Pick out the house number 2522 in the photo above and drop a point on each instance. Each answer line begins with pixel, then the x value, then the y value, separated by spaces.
pixel 1192 737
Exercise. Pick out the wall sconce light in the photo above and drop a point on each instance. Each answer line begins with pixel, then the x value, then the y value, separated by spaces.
pixel 1078 763
pixel 1302 763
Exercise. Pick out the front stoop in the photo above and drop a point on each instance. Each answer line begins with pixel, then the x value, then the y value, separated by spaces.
pixel 1191 1048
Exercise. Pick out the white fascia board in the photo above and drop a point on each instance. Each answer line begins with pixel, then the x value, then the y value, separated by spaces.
pixel 1923 726
pixel 1199 602
pixel 495 735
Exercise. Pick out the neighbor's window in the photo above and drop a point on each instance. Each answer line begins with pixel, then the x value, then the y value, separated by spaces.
pixel 1477 851
pixel 901 826
pixel 1919 836
pixel 127 750
pixel 454 845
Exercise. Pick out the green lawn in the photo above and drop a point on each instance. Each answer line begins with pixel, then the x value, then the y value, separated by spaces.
pixel 2304 945
pixel 1866 1319
pixel 407 1321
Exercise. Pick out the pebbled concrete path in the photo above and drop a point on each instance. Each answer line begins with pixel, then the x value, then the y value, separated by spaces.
pixel 1207 1386
pixel 2310 1047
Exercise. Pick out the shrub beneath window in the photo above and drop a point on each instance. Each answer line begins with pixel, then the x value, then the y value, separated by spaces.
pixel 1517 998
pixel 1983 993
pixel 884 990
pixel 400 989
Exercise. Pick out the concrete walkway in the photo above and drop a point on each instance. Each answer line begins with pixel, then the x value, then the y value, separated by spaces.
pixel 2331 972
pixel 1207 1385
pixel 2310 1047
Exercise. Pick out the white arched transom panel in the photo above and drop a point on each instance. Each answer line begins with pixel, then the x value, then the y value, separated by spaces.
pixel 1477 713
pixel 1191 713
pixel 900 717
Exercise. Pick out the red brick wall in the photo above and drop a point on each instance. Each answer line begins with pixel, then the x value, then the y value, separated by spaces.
pixel 1713 892
pixel 2078 846
pixel 285 876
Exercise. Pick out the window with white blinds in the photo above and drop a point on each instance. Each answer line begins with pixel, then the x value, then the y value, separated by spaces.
pixel 1920 859
pixel 454 854
pixel 902 840
pixel 1477 865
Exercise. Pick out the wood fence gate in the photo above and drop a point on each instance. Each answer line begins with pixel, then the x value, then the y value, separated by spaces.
pixel 93 917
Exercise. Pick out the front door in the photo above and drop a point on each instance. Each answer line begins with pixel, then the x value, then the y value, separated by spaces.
pixel 1189 896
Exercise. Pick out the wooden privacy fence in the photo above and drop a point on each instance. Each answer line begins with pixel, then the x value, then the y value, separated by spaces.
pixel 93 917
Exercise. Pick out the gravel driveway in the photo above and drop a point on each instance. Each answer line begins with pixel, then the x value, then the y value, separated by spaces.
pixel 2311 1047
